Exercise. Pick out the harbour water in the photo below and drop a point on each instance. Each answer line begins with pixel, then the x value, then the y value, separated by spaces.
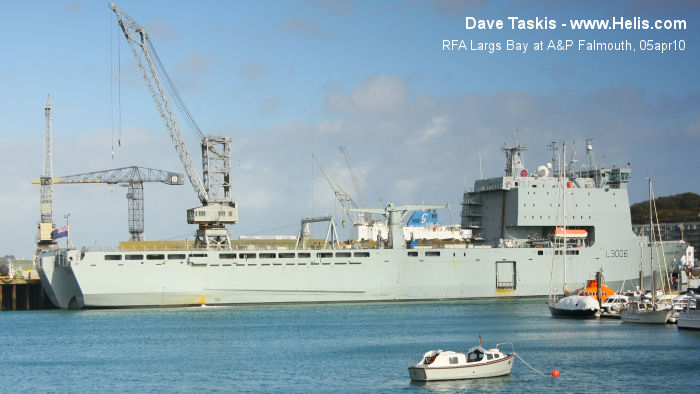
pixel 335 348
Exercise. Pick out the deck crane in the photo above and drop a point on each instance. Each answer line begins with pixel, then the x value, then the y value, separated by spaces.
pixel 131 177
pixel 218 207
pixel 343 198
pixel 366 216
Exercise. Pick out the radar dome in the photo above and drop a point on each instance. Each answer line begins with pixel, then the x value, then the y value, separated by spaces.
pixel 542 171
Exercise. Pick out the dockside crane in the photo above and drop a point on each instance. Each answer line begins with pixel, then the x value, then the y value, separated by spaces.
pixel 47 225
pixel 131 177
pixel 218 207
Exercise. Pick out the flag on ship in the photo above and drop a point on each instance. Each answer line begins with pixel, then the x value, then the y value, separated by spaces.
pixel 60 232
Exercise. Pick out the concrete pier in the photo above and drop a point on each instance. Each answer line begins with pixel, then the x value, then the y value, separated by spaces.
pixel 23 294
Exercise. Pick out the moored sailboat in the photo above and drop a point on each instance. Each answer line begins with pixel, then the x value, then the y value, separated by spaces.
pixel 571 306
pixel 640 310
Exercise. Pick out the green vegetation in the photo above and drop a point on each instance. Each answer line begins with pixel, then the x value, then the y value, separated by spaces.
pixel 672 209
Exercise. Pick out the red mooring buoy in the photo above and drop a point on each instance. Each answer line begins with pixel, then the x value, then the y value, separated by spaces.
pixel 555 373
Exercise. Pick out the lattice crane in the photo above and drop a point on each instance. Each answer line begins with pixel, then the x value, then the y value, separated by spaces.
pixel 366 216
pixel 343 198
pixel 133 178
pixel 218 207
pixel 47 225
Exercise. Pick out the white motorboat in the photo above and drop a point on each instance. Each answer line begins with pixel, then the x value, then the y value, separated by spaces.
pixel 449 365
pixel 615 303
pixel 645 313
pixel 689 318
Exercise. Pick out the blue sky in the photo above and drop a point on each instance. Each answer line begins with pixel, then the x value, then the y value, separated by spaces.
pixel 286 79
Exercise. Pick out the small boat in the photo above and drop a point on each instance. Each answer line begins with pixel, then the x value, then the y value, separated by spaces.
pixel 641 310
pixel 689 318
pixel 449 365
pixel 615 303
pixel 645 313
pixel 576 306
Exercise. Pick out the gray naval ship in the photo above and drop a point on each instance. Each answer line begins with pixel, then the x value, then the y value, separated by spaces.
pixel 516 222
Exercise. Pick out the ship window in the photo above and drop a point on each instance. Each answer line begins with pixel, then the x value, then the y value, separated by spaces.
pixel 113 257
pixel 133 257
pixel 497 355
pixel 432 253
pixel 540 252
pixel 361 254
pixel 267 255
pixel 247 255
pixel 304 255
pixel 176 257
pixel 489 356
pixel 286 255
pixel 198 255
pixel 227 256
pixel 342 254
pixel 453 360
pixel 413 254
pixel 324 255
pixel 155 256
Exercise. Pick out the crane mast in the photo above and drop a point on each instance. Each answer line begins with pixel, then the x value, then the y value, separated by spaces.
pixel 218 207
pixel 46 226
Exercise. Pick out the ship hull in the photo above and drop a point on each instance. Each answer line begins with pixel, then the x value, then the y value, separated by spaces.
pixel 97 280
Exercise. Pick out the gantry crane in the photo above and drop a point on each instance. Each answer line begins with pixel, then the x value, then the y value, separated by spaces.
pixel 47 225
pixel 133 178
pixel 218 207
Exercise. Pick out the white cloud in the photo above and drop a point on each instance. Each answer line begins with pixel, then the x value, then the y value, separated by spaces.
pixel 377 95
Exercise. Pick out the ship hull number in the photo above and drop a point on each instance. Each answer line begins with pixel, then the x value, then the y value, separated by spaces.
pixel 616 253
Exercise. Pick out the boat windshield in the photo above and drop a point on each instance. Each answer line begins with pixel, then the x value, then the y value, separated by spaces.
pixel 474 356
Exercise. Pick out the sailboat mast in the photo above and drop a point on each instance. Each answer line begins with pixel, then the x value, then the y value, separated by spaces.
pixel 565 185
pixel 651 247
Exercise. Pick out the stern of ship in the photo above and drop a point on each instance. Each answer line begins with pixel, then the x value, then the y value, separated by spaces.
pixel 57 279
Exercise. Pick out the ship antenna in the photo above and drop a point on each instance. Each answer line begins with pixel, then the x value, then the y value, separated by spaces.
pixel 481 170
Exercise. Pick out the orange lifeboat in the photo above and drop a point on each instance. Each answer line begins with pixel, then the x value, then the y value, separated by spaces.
pixel 570 233
pixel 591 290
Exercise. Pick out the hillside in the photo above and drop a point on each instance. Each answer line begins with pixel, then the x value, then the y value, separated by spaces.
pixel 672 209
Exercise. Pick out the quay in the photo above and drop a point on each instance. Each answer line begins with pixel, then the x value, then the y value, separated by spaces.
pixel 23 294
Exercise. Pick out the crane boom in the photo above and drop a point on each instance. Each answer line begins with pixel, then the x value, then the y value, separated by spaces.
pixel 344 198
pixel 137 37
pixel 131 174
pixel 133 178
pixel 355 183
